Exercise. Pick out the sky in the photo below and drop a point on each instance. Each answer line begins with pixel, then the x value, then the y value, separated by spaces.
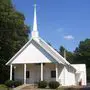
pixel 60 22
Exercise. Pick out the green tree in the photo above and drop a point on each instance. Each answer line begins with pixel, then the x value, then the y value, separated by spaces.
pixel 69 55
pixel 82 55
pixel 61 50
pixel 13 34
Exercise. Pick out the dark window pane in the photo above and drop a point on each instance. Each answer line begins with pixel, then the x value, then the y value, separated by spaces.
pixel 53 74
pixel 27 74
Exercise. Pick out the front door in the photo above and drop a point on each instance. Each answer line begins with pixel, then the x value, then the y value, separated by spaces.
pixel 34 74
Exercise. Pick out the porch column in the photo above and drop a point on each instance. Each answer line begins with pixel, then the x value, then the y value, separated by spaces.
pixel 24 73
pixel 56 72
pixel 11 72
pixel 41 71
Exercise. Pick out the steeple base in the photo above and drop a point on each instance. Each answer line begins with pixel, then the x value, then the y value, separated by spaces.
pixel 35 35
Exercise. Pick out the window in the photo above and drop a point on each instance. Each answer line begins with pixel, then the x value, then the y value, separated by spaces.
pixel 27 74
pixel 53 74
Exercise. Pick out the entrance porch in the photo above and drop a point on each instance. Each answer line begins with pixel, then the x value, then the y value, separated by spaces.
pixel 33 73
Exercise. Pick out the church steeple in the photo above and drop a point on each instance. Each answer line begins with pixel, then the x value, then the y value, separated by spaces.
pixel 35 29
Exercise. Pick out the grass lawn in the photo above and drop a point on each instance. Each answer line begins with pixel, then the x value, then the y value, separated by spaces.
pixel 3 87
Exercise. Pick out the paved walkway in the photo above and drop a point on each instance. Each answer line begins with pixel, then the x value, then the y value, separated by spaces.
pixel 34 87
pixel 26 87
pixel 30 87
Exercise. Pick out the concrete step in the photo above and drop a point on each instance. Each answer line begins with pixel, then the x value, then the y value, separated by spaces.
pixel 26 87
pixel 30 87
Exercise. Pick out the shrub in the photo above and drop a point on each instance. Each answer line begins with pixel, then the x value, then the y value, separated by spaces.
pixel 17 83
pixel 42 84
pixel 9 83
pixel 54 84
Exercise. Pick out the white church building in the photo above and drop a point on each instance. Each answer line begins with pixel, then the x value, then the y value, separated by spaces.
pixel 37 61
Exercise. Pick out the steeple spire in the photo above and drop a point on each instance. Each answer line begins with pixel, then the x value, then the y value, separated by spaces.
pixel 35 30
pixel 35 19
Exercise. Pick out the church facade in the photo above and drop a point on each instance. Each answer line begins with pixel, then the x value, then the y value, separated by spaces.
pixel 37 61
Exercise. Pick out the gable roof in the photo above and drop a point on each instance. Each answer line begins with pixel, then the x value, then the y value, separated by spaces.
pixel 46 47
pixel 33 53
pixel 53 52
